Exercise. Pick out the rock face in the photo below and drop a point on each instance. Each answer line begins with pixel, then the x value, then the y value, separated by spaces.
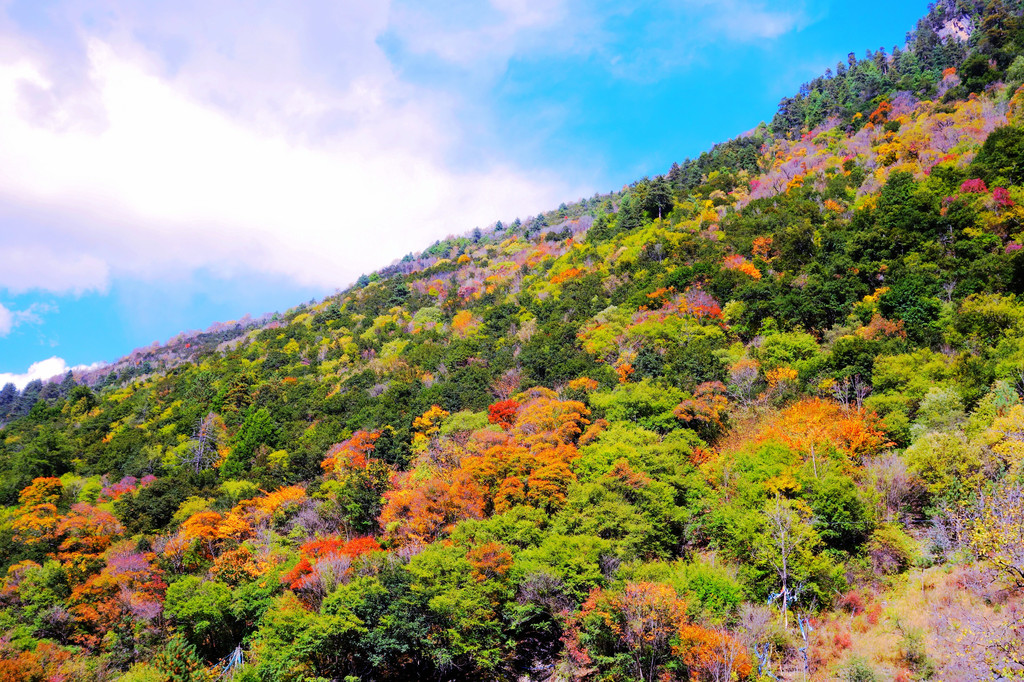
pixel 959 28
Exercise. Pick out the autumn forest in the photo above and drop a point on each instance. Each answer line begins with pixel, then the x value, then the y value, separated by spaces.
pixel 758 418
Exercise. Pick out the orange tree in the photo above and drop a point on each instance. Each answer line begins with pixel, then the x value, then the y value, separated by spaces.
pixel 641 631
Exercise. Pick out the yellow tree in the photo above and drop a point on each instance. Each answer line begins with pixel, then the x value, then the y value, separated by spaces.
pixel 425 426
pixel 36 519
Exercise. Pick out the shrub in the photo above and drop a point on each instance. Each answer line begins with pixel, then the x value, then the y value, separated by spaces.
pixel 891 550
pixel 857 669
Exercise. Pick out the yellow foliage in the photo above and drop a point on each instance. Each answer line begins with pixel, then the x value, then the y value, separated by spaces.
pixel 1006 438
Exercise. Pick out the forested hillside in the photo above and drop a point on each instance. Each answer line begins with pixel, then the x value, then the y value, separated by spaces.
pixel 758 418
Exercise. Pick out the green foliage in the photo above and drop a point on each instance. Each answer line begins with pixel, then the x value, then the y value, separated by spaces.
pixel 643 404
pixel 844 517
pixel 947 462
pixel 202 611
pixel 790 349
pixel 1001 157
pixel 646 366
pixel 179 662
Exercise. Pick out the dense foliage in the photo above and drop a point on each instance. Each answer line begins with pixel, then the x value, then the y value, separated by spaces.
pixel 701 429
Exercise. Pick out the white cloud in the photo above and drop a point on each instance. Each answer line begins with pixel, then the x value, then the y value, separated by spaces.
pixel 483 36
pixel 50 268
pixel 9 319
pixel 317 178
pixel 44 369
pixel 151 140
pixel 662 35
pixel 750 21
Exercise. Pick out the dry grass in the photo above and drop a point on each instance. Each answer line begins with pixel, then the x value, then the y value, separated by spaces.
pixel 963 620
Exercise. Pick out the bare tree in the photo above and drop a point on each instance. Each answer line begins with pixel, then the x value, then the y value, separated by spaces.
pixel 505 386
pixel 949 287
pixel 861 390
pixel 201 451
pixel 899 491
pixel 841 392
pixel 785 546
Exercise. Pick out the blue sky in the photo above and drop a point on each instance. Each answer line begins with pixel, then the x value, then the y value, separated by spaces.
pixel 166 165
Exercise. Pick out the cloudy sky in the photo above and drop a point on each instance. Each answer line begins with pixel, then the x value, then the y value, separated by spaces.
pixel 165 165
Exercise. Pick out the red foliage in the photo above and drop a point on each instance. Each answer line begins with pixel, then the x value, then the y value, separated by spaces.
pixel 1002 198
pixel 503 413
pixel 325 549
pixel 852 601
pixel 974 186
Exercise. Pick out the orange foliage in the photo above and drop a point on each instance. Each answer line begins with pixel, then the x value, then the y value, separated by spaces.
pixel 741 264
pixel 625 370
pixel 881 327
pixel 489 560
pixel 813 424
pixel 16 573
pixel 881 114
pixel 544 419
pixel 238 565
pixel 36 518
pixel 571 273
pixel 511 474
pixel 707 405
pixel 530 463
pixel 87 533
pixel 463 324
pixel 712 654
pixel 273 504
pixel 701 456
pixel 593 432
pixel 350 455
pixel 547 485
pixel 41 491
pixel 46 661
pixel 662 295
pixel 622 472
pixel 127 593
pixel 642 618
pixel 210 529
pixel 583 384
pixel 418 511
pixel 763 248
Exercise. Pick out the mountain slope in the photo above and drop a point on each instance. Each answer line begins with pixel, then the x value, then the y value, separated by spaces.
pixel 704 427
